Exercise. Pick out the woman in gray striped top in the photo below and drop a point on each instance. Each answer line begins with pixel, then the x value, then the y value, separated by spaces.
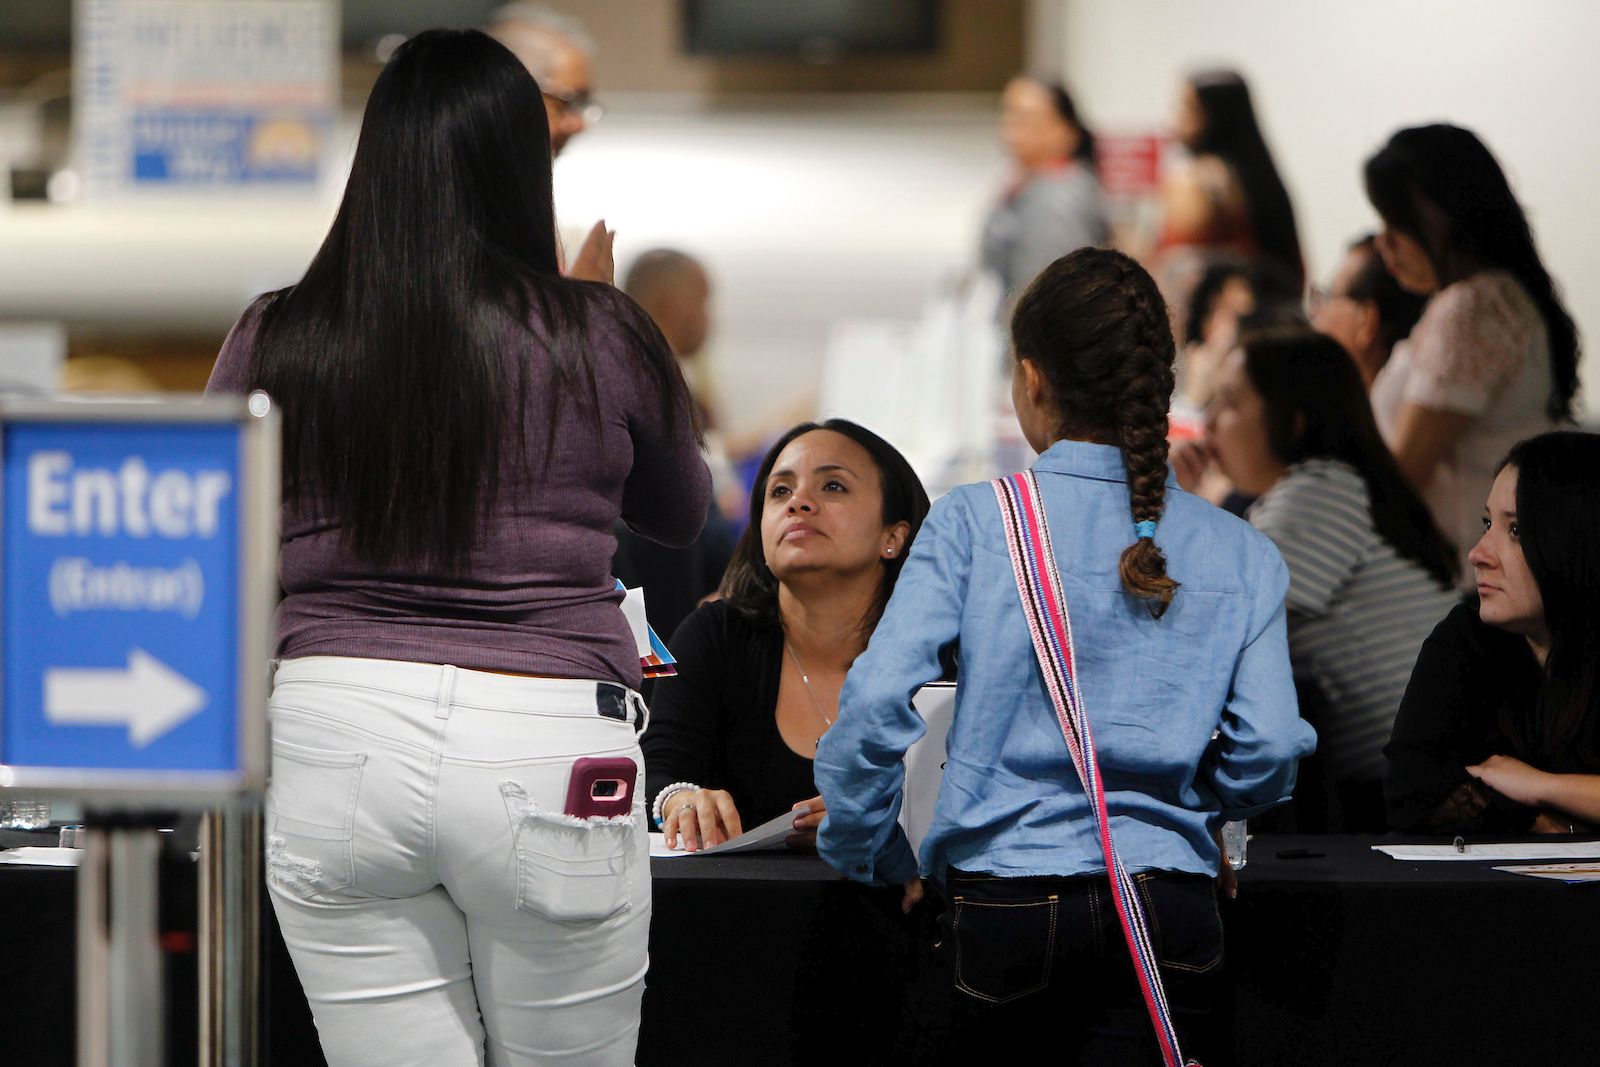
pixel 1369 572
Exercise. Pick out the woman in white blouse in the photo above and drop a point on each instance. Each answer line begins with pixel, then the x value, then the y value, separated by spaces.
pixel 1494 358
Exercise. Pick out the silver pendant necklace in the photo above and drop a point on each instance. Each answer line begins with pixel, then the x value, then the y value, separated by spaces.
pixel 805 679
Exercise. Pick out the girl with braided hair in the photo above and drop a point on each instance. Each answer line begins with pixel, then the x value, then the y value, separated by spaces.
pixel 1181 665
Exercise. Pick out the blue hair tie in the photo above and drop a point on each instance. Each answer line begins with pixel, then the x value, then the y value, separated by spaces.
pixel 1144 529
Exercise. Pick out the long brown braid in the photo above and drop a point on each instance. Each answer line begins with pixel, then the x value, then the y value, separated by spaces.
pixel 1094 323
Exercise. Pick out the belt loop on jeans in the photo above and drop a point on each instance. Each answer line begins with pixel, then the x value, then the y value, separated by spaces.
pixel 446 693
pixel 618 702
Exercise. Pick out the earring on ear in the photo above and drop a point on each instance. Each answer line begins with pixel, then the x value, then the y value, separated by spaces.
pixel 889 551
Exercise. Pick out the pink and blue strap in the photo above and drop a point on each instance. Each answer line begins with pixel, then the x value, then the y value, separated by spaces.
pixel 1044 604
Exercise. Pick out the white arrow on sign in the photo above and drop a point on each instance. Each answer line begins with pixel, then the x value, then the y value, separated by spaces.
pixel 149 696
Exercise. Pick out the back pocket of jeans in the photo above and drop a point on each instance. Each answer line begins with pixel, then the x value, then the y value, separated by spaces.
pixel 1181 912
pixel 310 818
pixel 569 869
pixel 1003 950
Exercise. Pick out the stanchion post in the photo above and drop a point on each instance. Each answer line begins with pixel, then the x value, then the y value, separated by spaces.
pixel 230 943
pixel 121 1006
pixel 94 950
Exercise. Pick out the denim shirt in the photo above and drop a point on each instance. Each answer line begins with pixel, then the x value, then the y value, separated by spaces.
pixel 1194 714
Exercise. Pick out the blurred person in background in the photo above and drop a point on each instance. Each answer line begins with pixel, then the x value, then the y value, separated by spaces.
pixel 1227 196
pixel 1233 294
pixel 732 736
pixel 1369 573
pixel 559 53
pixel 674 289
pixel 1053 203
pixel 462 427
pixel 1364 308
pixel 1494 357
pixel 1499 731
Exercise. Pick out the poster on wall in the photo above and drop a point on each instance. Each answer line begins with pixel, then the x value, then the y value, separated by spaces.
pixel 190 95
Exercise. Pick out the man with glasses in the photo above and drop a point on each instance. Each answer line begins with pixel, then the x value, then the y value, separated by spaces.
pixel 1364 309
pixel 559 53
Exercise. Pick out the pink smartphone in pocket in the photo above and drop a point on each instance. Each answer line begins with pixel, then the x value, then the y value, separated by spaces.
pixel 601 785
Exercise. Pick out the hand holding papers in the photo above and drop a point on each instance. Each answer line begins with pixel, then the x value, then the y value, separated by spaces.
pixel 773 834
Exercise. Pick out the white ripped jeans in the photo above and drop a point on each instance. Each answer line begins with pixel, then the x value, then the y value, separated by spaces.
pixel 435 900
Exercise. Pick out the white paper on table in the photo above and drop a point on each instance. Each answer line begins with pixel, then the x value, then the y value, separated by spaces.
pixel 771 834
pixel 43 856
pixel 659 849
pixel 1571 873
pixel 936 703
pixel 1492 850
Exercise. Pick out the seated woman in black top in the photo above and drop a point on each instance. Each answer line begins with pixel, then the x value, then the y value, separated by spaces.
pixel 1499 730
pixel 731 740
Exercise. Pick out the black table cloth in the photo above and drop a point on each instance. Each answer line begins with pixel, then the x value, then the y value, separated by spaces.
pixel 1340 956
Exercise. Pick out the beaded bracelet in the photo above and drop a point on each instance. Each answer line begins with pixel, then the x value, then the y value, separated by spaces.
pixel 665 794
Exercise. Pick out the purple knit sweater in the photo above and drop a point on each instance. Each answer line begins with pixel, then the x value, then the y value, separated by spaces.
pixel 540 597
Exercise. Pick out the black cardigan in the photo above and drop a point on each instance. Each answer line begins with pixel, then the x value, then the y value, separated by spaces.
pixel 715 723
pixel 1467 673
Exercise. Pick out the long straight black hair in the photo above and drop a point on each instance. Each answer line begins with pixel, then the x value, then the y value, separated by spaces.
pixel 1558 499
pixel 398 358
pixel 1476 224
pixel 1316 407
pixel 1231 133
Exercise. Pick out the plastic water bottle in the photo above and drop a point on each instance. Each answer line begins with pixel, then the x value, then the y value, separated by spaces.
pixel 1234 840
pixel 21 812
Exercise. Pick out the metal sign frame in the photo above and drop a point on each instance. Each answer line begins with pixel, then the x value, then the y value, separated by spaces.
pixel 257 502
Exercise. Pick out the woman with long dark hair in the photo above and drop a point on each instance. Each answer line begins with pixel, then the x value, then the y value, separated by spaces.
pixel 1500 727
pixel 1176 643
pixel 833 510
pixel 1052 204
pixel 1369 573
pixel 462 427
pixel 1229 197
pixel 1494 358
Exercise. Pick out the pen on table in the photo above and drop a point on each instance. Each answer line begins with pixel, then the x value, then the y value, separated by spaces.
pixel 1300 854
pixel 1460 843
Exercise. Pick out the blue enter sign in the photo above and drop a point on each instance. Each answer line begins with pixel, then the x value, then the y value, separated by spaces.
pixel 120 596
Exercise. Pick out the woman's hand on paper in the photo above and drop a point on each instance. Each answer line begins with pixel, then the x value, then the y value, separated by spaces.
pixel 699 819
pixel 808 815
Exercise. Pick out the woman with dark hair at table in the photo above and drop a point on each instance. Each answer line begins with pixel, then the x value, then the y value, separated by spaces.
pixel 1228 197
pixel 462 427
pixel 1494 358
pixel 833 509
pixel 1499 730
pixel 1369 573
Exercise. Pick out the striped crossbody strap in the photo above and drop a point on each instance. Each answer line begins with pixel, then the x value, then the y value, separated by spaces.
pixel 1044 604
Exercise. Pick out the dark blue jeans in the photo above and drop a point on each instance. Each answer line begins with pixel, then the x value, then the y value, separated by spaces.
pixel 1041 962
